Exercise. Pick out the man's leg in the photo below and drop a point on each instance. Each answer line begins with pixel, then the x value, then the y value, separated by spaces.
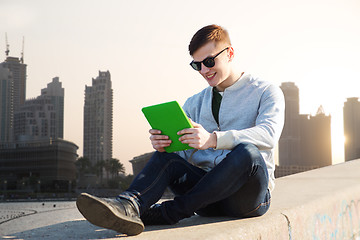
pixel 123 213
pixel 162 171
pixel 244 168
pixel 201 189
pixel 252 200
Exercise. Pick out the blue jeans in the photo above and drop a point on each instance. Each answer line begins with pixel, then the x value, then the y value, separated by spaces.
pixel 236 187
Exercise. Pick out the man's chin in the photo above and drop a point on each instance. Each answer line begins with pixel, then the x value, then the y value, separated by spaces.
pixel 212 83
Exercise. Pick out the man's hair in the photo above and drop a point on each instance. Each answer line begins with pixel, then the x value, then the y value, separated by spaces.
pixel 207 34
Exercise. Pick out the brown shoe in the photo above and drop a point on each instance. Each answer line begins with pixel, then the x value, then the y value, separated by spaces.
pixel 116 214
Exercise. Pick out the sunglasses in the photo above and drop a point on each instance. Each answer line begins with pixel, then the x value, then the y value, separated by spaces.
pixel 208 62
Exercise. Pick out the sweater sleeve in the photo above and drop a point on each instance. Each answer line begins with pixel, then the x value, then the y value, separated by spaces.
pixel 268 126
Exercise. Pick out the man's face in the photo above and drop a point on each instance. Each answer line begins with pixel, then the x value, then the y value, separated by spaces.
pixel 217 75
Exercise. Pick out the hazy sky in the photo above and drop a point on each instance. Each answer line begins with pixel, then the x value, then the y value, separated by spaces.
pixel 314 43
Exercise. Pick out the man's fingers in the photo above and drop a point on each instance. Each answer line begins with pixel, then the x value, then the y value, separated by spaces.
pixel 196 127
pixel 187 137
pixel 187 131
pixel 158 137
pixel 160 145
pixel 154 131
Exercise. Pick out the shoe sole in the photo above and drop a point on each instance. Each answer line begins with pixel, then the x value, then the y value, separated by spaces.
pixel 99 214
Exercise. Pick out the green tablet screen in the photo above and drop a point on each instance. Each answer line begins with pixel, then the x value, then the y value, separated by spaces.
pixel 169 118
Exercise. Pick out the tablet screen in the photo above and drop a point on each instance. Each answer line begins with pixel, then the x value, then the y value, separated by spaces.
pixel 169 118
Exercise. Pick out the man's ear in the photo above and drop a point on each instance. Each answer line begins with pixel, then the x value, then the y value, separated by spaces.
pixel 231 53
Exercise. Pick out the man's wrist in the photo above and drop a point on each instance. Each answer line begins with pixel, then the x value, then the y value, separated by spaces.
pixel 214 140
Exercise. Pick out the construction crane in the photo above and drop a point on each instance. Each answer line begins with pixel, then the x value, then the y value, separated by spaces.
pixel 7 45
pixel 22 51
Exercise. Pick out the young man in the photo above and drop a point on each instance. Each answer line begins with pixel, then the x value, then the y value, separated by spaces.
pixel 237 122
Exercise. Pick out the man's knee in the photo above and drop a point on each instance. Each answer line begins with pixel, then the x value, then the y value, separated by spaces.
pixel 247 149
pixel 247 156
pixel 246 152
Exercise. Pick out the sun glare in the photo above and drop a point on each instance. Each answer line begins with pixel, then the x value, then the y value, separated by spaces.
pixel 337 144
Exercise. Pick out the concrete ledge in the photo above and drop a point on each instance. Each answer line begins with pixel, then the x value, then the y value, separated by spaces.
pixel 322 203
pixel 319 204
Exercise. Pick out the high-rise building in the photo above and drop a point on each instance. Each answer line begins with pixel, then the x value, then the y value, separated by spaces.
pixel 41 117
pixel 98 114
pixel 305 140
pixel 12 95
pixel 352 128
pixel 6 104
pixel 315 135
pixel 289 142
pixel 18 71
pixel 56 93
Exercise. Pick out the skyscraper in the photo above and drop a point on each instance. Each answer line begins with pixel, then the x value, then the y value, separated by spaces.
pixel 13 93
pixel 18 71
pixel 6 104
pixel 41 117
pixel 306 140
pixel 98 116
pixel 289 142
pixel 56 93
pixel 352 128
pixel 315 139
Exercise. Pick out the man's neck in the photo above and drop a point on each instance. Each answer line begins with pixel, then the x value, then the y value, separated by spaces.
pixel 233 78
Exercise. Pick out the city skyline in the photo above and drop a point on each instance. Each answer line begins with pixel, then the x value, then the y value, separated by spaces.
pixel 102 84
pixel 146 52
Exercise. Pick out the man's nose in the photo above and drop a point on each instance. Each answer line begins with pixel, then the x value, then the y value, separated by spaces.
pixel 204 69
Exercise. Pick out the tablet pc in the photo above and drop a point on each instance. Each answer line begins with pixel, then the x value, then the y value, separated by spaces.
pixel 169 118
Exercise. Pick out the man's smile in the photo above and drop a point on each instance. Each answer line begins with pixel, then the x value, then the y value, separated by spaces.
pixel 210 76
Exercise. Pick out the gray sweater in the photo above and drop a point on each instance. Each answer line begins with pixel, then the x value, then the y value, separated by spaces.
pixel 251 111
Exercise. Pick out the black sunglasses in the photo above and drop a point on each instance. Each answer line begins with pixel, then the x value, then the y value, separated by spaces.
pixel 208 62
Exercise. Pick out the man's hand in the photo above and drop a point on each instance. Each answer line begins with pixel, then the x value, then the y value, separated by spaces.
pixel 198 137
pixel 159 142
